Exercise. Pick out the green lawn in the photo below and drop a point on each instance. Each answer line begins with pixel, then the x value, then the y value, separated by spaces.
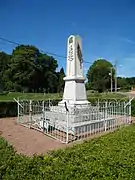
pixel 34 96
pixel 109 157
pixel 41 96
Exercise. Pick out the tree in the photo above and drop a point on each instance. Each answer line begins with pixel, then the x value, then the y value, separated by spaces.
pixel 31 70
pixel 98 75
pixel 4 62
pixel 22 67
pixel 61 83
pixel 126 83
pixel 45 77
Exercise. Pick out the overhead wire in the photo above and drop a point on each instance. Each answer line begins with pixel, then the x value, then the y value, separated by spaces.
pixel 45 52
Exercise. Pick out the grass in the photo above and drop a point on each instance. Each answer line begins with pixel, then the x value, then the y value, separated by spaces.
pixel 35 96
pixel 109 157
pixel 41 96
pixel 8 107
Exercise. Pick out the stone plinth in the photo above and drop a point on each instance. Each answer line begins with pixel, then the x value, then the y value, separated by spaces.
pixel 74 91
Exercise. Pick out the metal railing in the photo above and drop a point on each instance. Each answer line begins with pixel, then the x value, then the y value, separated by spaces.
pixel 70 124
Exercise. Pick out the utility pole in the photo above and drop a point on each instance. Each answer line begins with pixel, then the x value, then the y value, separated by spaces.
pixel 111 68
pixel 115 67
pixel 111 80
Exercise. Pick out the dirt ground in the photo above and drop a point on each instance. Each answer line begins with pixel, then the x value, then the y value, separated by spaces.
pixel 29 141
pixel 26 141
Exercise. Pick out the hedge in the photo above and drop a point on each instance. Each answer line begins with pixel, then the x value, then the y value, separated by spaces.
pixel 110 157
pixel 9 109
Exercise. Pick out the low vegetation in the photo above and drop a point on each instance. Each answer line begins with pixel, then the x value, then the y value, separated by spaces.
pixel 109 157
pixel 8 107
pixel 46 96
pixel 33 96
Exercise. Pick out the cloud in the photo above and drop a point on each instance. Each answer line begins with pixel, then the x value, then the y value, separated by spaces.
pixel 127 40
pixel 126 67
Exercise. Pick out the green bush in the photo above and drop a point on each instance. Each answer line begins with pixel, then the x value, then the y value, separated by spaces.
pixel 3 93
pixel 109 157
pixel 8 109
pixel 133 108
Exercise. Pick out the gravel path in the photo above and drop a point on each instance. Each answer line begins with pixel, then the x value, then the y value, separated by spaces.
pixel 29 141
pixel 26 141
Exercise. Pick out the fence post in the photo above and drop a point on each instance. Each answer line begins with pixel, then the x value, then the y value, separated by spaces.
pixel 43 110
pixel 19 105
pixel 106 104
pixel 67 127
pixel 105 125
pixel 98 102
pixel 30 113
pixel 67 113
pixel 105 121
pixel 49 103
pixel 129 104
pixel 126 113
pixel 18 111
pixel 130 112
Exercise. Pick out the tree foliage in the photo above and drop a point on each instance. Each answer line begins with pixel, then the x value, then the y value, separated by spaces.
pixel 126 83
pixel 99 75
pixel 61 75
pixel 4 65
pixel 29 70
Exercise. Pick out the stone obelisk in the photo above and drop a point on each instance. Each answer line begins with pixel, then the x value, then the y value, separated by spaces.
pixel 74 91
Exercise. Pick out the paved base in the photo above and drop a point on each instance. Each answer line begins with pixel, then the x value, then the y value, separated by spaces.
pixel 26 141
pixel 29 141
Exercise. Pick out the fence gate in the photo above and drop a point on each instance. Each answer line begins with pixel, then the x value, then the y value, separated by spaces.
pixel 77 123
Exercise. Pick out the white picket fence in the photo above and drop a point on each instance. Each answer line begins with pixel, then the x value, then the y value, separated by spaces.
pixel 75 123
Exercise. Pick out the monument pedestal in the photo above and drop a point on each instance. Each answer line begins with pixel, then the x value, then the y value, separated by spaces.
pixel 74 92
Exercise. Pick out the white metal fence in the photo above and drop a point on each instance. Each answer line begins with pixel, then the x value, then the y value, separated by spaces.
pixel 67 125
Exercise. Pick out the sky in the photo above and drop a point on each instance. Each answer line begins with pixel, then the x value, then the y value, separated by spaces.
pixel 107 28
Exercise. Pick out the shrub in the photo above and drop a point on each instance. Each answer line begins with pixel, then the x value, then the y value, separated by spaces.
pixel 8 109
pixel 109 157
pixel 133 108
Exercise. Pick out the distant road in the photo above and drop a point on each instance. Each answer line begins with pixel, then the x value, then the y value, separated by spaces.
pixel 130 93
